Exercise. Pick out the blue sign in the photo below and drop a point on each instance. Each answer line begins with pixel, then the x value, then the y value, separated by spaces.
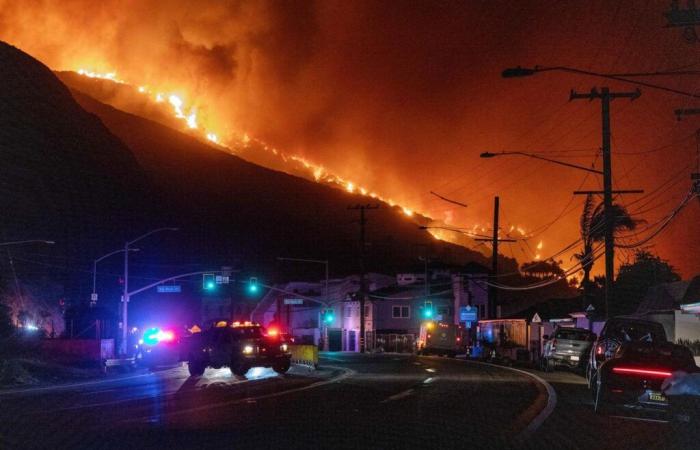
pixel 169 289
pixel 468 314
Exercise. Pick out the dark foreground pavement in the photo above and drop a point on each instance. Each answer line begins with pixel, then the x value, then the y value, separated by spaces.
pixel 355 401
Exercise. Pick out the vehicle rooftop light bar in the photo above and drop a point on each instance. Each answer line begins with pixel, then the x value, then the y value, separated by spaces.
pixel 636 371
pixel 247 323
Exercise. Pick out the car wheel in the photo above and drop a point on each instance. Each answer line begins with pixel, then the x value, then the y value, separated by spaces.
pixel 239 369
pixel 281 368
pixel 196 368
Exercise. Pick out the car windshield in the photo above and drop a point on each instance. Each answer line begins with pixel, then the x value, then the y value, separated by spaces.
pixel 247 332
pixel 668 353
pixel 637 331
pixel 573 335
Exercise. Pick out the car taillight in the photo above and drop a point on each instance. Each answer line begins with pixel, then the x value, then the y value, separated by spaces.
pixel 642 372
pixel 600 352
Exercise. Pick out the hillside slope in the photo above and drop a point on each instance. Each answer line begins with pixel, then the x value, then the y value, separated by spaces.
pixel 65 176
pixel 235 209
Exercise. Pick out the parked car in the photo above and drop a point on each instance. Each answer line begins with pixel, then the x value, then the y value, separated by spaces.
pixel 636 378
pixel 568 347
pixel 618 331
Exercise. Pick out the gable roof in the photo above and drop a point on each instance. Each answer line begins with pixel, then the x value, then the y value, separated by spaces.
pixel 556 308
pixel 664 297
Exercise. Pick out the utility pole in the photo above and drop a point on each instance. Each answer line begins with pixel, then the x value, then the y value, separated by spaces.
pixel 493 292
pixel 605 96
pixel 363 283
pixel 426 286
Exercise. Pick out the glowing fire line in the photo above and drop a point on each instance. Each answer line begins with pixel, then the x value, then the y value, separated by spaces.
pixel 188 114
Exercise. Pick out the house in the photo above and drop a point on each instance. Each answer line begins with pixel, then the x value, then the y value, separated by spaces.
pixel 394 310
pixel 297 308
pixel 676 306
pixel 400 310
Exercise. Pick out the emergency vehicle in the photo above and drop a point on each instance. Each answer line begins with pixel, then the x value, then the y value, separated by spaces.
pixel 442 339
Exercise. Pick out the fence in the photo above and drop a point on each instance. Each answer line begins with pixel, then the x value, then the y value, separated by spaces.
pixel 396 343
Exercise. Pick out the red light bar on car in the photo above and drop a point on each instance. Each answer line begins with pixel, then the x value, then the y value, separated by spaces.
pixel 636 371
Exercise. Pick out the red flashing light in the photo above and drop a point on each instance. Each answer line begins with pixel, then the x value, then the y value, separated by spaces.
pixel 459 339
pixel 648 372
pixel 166 336
pixel 599 349
pixel 273 331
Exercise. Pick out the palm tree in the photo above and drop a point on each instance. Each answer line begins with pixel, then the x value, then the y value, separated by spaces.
pixel 592 224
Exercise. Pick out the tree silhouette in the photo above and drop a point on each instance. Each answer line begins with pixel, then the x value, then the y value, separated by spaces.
pixel 592 228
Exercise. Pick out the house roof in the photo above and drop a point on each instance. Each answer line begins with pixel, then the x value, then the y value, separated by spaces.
pixel 692 293
pixel 558 308
pixel 666 297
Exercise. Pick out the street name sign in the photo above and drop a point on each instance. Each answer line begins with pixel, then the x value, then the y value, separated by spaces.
pixel 293 301
pixel 467 314
pixel 169 289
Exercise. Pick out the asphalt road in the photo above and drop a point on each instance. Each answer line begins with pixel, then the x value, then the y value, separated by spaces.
pixel 370 401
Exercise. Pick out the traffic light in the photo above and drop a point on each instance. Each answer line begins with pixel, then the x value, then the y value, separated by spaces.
pixel 253 285
pixel 209 282
pixel 328 316
pixel 428 311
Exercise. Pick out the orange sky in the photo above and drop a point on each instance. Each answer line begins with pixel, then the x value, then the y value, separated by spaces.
pixel 403 97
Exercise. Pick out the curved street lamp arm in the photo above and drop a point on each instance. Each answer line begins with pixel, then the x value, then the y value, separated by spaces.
pixel 553 161
pixel 30 241
pixel 157 230
pixel 616 77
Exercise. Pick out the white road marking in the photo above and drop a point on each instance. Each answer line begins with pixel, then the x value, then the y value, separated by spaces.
pixel 70 385
pixel 417 363
pixel 546 411
pixel 640 419
pixel 430 369
pixel 428 380
pixel 330 358
pixel 398 396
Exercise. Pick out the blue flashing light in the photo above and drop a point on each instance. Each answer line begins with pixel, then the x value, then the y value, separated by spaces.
pixel 150 336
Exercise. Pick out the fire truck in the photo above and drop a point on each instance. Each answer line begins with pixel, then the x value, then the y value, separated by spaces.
pixel 238 345
pixel 442 339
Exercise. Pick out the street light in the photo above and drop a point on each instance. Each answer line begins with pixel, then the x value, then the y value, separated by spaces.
pixel 530 155
pixel 605 96
pixel 325 262
pixel 30 241
pixel 93 297
pixel 520 72
pixel 125 295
